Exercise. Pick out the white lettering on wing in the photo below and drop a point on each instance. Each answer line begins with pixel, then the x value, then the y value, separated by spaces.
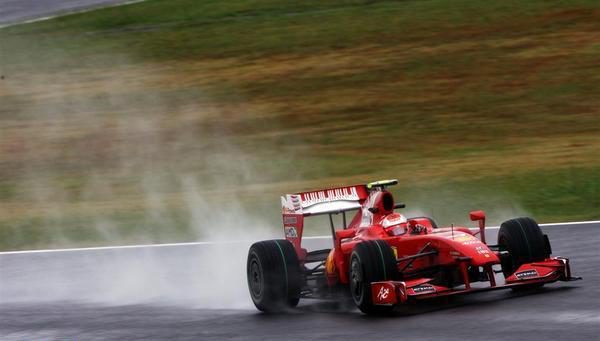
pixel 336 194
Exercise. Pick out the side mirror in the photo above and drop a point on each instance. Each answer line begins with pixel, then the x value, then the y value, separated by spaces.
pixel 480 217
pixel 477 215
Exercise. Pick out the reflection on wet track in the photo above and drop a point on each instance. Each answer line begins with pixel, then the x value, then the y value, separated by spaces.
pixel 199 293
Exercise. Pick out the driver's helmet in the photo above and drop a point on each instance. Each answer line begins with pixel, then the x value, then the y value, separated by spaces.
pixel 394 223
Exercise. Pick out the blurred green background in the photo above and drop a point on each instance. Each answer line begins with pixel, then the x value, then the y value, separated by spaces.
pixel 180 120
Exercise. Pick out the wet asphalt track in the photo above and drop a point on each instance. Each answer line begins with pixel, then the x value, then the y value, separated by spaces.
pixel 14 11
pixel 31 309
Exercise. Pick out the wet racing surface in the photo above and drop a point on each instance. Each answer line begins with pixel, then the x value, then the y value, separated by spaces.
pixel 558 311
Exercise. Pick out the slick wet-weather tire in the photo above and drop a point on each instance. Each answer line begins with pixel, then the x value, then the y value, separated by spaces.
pixel 371 261
pixel 274 275
pixel 525 243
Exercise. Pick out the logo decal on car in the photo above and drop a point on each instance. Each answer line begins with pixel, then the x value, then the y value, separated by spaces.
pixel 291 220
pixel 527 274
pixel 383 293
pixel 290 232
pixel 423 288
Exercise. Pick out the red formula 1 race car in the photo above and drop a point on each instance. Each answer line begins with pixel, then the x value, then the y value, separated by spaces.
pixel 383 259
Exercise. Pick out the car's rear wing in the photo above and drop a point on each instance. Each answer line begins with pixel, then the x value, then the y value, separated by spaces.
pixel 326 201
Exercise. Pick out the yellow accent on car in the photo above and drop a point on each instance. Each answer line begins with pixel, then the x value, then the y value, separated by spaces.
pixel 382 183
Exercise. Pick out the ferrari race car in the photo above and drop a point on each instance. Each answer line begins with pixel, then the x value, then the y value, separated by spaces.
pixel 383 259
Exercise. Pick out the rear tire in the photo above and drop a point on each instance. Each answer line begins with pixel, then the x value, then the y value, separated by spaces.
pixel 274 275
pixel 525 242
pixel 371 261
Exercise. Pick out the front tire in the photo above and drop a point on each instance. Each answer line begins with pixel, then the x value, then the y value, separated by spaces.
pixel 274 275
pixel 525 243
pixel 371 261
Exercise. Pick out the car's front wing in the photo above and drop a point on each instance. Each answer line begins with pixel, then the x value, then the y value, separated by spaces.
pixel 398 292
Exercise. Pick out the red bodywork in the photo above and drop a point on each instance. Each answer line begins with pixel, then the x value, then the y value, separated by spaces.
pixel 456 249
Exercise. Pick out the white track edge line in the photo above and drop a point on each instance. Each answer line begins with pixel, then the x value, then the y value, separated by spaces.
pixel 117 247
pixel 69 12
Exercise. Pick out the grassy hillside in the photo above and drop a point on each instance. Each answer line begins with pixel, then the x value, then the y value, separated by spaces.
pixel 169 120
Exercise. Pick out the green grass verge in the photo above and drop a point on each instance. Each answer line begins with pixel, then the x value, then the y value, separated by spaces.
pixel 471 104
